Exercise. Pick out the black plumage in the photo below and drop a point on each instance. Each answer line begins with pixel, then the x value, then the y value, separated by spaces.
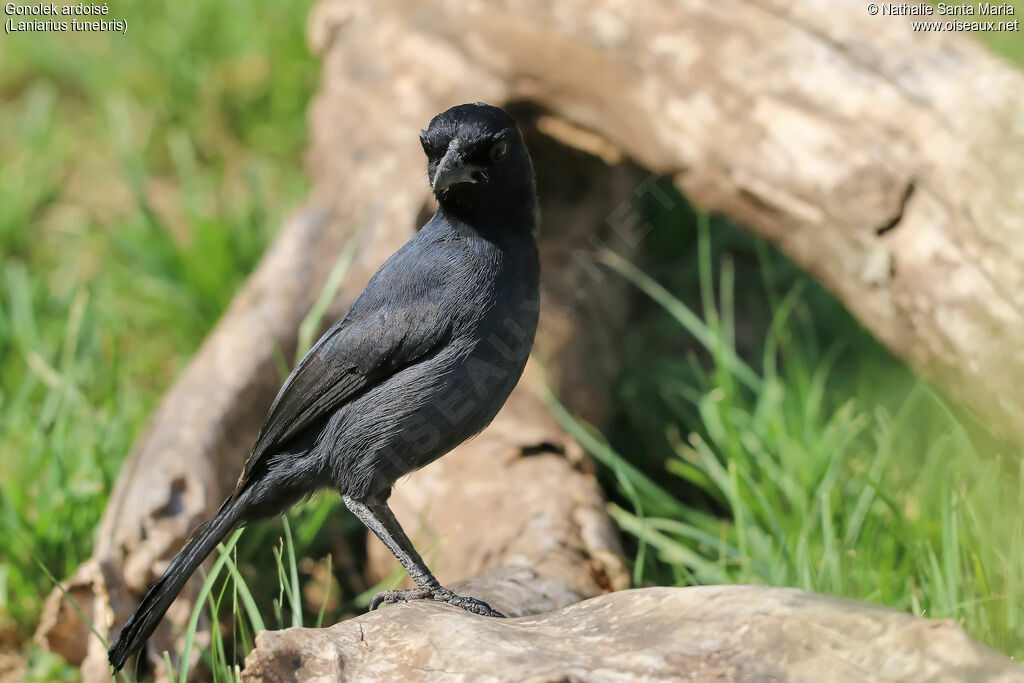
pixel 423 360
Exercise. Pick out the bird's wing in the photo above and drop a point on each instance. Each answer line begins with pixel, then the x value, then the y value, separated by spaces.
pixel 371 343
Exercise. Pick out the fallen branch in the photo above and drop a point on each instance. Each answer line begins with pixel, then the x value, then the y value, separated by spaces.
pixel 712 633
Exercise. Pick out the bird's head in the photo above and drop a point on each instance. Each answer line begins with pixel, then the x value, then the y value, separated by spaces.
pixel 477 160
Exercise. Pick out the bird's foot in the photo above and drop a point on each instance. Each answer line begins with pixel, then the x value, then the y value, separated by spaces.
pixel 440 594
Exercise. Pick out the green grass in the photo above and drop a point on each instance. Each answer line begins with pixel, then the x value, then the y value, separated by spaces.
pixel 762 435
pixel 143 176
pixel 794 451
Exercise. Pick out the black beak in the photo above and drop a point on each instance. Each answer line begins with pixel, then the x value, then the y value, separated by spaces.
pixel 451 171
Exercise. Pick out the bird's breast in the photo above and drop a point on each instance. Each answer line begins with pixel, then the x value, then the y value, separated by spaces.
pixel 498 322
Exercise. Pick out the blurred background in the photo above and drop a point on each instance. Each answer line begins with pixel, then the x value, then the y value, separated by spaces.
pixel 141 177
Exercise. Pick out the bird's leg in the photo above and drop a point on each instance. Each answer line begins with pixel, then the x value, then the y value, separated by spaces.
pixel 379 519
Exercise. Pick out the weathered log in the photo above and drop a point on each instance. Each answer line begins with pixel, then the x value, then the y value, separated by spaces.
pixel 887 163
pixel 712 633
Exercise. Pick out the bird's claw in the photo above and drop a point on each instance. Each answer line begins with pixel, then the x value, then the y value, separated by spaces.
pixel 393 597
pixel 470 604
pixel 440 594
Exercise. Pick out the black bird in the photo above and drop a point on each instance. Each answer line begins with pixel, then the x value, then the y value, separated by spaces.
pixel 423 360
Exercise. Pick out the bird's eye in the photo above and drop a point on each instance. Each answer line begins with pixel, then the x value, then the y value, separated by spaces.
pixel 499 151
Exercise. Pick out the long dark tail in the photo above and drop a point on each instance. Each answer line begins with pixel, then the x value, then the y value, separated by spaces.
pixel 151 610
